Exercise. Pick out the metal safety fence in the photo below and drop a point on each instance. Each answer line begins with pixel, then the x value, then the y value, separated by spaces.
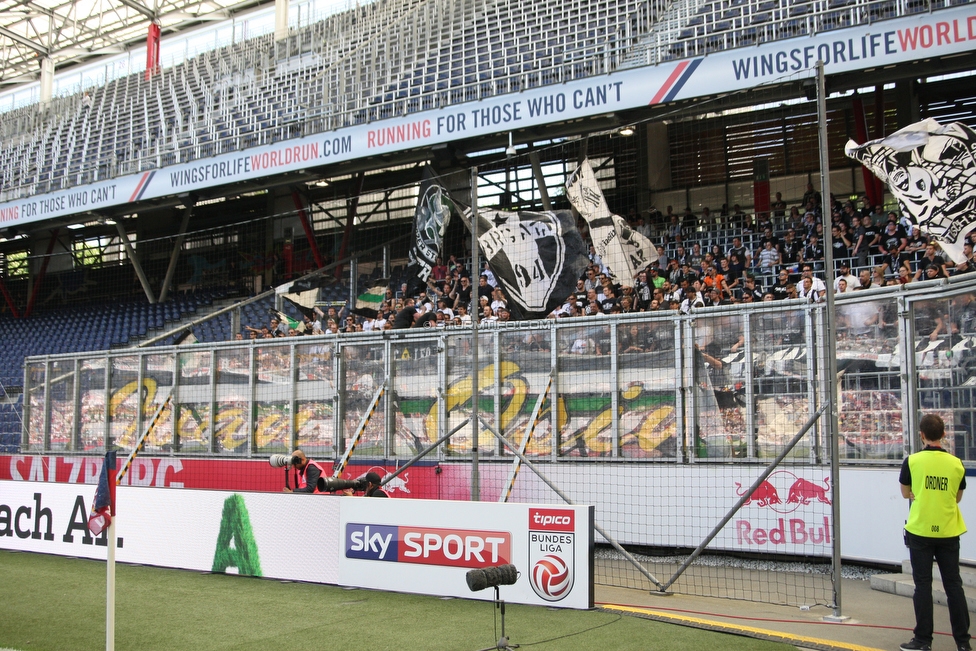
pixel 661 419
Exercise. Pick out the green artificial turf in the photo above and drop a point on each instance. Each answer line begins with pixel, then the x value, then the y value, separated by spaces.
pixel 58 604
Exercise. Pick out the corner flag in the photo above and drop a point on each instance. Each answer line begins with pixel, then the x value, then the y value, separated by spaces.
pixel 103 508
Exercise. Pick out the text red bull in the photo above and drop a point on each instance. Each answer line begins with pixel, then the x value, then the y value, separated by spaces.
pixel 799 532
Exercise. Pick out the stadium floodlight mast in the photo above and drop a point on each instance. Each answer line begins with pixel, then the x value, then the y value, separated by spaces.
pixel 492 577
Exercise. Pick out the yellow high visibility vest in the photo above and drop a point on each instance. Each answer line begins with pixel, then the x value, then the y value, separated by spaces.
pixel 936 476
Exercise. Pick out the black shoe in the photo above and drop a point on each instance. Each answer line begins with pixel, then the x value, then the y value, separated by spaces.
pixel 964 647
pixel 915 645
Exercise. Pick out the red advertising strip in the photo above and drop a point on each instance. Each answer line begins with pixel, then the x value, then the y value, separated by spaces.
pixel 420 481
pixel 551 520
pixel 454 547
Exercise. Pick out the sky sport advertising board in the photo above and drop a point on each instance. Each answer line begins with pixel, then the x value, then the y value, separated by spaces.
pixel 408 546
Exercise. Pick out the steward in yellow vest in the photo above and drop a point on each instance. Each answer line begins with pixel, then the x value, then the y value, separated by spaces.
pixel 934 479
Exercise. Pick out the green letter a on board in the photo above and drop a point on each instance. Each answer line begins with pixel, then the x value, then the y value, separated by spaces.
pixel 235 525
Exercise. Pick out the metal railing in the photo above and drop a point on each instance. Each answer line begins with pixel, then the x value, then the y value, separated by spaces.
pixel 729 384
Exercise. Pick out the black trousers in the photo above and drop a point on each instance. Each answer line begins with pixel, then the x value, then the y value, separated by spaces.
pixel 945 552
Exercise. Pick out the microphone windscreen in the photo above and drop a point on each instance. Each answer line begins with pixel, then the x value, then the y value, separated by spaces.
pixel 476 580
pixel 501 575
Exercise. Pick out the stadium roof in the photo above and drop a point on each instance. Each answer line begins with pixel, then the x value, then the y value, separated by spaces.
pixel 74 31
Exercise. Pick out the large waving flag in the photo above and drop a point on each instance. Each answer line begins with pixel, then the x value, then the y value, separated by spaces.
pixel 536 256
pixel 103 507
pixel 624 251
pixel 931 170
pixel 430 223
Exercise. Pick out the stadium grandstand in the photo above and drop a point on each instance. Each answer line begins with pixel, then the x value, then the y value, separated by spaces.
pixel 186 170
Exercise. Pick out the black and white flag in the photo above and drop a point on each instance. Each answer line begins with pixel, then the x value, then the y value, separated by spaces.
pixel 624 251
pixel 304 301
pixel 368 303
pixel 536 256
pixel 931 170
pixel 304 294
pixel 430 223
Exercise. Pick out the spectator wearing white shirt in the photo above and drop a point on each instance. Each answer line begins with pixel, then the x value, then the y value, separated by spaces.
pixel 487 272
pixel 808 292
pixel 769 259
pixel 806 271
pixel 844 273
pixel 442 307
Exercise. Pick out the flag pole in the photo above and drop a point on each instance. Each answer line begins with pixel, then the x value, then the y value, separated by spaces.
pixel 110 590
pixel 475 475
pixel 830 341
pixel 110 531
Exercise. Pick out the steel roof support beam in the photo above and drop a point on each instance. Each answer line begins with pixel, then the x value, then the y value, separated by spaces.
pixel 352 205
pixel 135 262
pixel 42 273
pixel 177 245
pixel 145 11
pixel 14 36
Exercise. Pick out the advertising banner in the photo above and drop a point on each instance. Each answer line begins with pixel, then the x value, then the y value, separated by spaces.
pixel 787 512
pixel 258 534
pixel 408 546
pixel 423 480
pixel 876 45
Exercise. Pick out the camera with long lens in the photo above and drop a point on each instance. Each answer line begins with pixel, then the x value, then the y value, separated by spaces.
pixel 282 460
pixel 333 484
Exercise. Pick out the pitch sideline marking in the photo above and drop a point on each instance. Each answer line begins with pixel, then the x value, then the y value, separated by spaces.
pixel 752 631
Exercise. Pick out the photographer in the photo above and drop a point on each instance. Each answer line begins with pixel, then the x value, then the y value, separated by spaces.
pixel 307 474
pixel 373 485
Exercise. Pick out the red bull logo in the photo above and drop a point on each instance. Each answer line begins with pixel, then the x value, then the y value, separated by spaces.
pixel 761 525
pixel 796 532
pixel 398 483
pixel 764 495
pixel 798 491
pixel 803 491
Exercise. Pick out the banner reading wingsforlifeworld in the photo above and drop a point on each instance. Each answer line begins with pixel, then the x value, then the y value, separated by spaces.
pixel 876 45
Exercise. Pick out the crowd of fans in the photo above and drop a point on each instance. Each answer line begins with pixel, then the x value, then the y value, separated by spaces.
pixel 704 260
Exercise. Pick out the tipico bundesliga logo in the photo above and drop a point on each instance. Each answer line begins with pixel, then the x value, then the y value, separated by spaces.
pixel 552 540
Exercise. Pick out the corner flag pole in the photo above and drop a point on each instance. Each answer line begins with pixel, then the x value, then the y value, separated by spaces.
pixel 110 589
pixel 110 532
